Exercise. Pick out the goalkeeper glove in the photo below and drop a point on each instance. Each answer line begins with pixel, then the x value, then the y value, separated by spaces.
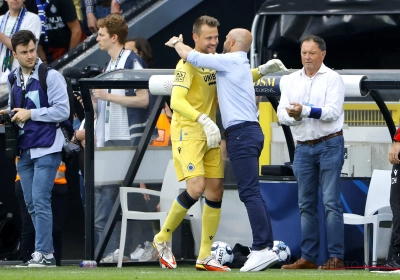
pixel 211 130
pixel 272 66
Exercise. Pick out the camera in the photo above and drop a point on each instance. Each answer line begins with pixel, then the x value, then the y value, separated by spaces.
pixel 70 150
pixel 73 74
pixel 5 118
pixel 11 135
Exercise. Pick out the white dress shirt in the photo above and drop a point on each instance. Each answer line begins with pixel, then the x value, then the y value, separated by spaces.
pixel 325 91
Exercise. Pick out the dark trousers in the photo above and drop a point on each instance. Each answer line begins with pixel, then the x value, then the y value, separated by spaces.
pixel 244 145
pixel 395 205
pixel 28 230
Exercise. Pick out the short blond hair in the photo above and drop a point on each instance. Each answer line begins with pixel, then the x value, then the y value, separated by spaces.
pixel 210 21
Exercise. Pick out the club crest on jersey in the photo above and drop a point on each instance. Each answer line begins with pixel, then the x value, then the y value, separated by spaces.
pixel 53 9
pixel 180 76
pixel 394 180
pixel 190 167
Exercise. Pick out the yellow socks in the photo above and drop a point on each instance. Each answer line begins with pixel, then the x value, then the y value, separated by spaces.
pixel 210 221
pixel 174 218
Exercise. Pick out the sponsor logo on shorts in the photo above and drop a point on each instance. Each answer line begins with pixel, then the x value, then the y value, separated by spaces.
pixel 190 167
pixel 180 76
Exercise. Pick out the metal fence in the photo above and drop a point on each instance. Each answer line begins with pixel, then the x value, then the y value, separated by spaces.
pixel 368 114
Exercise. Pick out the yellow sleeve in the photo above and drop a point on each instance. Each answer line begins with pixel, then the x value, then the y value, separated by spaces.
pixel 255 74
pixel 183 80
pixel 180 104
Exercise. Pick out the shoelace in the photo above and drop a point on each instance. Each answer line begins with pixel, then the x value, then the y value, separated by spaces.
pixel 214 261
pixel 165 251
pixel 36 256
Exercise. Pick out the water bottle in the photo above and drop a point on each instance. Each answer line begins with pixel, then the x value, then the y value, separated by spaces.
pixel 88 264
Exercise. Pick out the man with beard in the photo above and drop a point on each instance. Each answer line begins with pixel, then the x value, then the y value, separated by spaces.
pixel 37 115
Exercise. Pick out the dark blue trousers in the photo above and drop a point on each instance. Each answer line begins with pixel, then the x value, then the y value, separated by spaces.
pixel 244 143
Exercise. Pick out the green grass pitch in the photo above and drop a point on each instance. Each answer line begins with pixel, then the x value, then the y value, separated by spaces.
pixel 184 271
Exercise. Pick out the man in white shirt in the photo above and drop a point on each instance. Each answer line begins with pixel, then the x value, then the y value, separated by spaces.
pixel 17 18
pixel 312 104
pixel 122 114
pixel 121 119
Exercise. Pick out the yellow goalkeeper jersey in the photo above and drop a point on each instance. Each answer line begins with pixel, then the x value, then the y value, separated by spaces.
pixel 194 92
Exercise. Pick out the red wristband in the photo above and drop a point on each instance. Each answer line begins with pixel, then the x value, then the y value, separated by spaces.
pixel 396 137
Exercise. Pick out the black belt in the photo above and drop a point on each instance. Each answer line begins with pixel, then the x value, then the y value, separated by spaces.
pixel 315 141
pixel 238 126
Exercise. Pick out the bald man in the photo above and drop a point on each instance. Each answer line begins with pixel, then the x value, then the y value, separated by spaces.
pixel 243 133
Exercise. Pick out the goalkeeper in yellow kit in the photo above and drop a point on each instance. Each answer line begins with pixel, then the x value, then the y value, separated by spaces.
pixel 195 148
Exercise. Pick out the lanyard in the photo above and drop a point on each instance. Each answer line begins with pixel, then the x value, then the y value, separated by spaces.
pixel 118 59
pixel 8 58
pixel 21 76
pixel 115 68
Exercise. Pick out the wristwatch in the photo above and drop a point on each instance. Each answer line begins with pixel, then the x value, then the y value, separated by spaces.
pixel 174 42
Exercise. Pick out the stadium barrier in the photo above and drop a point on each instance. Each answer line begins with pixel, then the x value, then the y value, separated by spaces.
pixel 361 83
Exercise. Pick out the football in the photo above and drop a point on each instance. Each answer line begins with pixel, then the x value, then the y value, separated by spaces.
pixel 281 250
pixel 222 252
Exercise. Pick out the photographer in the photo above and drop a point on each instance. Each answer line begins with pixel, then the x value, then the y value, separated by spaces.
pixel 40 140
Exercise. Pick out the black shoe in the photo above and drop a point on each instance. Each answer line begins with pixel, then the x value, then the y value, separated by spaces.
pixel 393 263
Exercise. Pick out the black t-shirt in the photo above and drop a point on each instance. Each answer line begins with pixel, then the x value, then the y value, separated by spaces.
pixel 58 13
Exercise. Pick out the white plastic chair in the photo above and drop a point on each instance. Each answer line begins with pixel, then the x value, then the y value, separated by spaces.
pixel 169 191
pixel 377 209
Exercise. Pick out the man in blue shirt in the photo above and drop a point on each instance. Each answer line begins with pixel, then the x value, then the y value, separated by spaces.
pixel 37 115
pixel 244 137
